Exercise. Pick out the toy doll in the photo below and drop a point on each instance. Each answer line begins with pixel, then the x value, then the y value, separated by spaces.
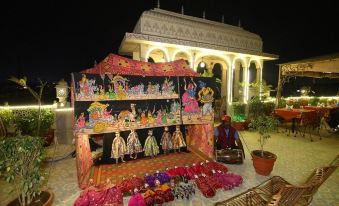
pixel 81 122
pixel 151 147
pixel 143 118
pixel 149 196
pixel 178 139
pixel 159 117
pixel 166 141
pixel 133 144
pixel 118 148
pixel 136 199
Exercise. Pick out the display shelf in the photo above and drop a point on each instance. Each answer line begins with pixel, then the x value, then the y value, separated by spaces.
pixel 122 129
pixel 141 98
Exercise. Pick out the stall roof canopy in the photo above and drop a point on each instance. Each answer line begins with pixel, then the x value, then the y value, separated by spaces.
pixel 115 64
pixel 316 67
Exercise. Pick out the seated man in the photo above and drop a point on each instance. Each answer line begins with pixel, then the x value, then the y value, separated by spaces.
pixel 227 137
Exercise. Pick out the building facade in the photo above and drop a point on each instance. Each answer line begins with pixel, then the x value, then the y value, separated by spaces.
pixel 227 52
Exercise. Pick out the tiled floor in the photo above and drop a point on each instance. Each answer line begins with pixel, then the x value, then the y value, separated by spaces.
pixel 297 157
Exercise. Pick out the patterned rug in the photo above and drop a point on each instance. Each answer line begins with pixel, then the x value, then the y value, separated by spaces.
pixel 140 167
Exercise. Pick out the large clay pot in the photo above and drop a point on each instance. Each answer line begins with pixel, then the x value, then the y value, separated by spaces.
pixel 263 165
pixel 45 198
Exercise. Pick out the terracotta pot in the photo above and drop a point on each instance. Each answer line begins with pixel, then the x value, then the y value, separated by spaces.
pixel 263 165
pixel 240 126
pixel 45 198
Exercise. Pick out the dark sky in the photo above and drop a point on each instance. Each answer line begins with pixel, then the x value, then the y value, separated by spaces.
pixel 50 39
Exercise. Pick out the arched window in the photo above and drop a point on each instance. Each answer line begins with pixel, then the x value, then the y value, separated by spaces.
pixel 252 72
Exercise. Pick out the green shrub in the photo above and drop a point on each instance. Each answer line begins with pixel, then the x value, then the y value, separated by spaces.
pixel 268 108
pixel 282 103
pixel 314 101
pixel 20 162
pixel 27 121
pixel 7 117
pixel 256 107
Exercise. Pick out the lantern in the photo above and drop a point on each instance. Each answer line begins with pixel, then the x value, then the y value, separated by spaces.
pixel 62 91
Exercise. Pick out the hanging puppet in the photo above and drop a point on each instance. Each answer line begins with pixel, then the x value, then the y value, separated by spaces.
pixel 188 98
pixel 118 148
pixel 133 144
pixel 166 141
pixel 151 147
pixel 178 139
pixel 206 97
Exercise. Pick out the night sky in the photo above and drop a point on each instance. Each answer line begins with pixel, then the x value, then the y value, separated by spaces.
pixel 50 39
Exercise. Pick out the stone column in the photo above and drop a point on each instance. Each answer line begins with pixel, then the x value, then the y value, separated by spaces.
pixel 236 82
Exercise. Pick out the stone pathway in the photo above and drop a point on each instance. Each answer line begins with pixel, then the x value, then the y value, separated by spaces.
pixel 297 157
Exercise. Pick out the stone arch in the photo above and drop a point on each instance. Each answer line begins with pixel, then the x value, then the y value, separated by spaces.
pixel 183 54
pixel 157 53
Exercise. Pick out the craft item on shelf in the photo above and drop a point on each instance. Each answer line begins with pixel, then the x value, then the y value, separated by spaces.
pixel 149 196
pixel 151 147
pixel 229 180
pixel 133 144
pixel 119 85
pixel 149 179
pixel 150 118
pixel 162 177
pixel 178 139
pixel 87 89
pixel 118 148
pixel 204 187
pixel 101 95
pixel 127 117
pixel 110 94
pixel 190 103
pixel 167 88
pixel 136 199
pixel 81 122
pixel 108 195
pixel 205 96
pixel 159 117
pixel 143 118
pixel 166 141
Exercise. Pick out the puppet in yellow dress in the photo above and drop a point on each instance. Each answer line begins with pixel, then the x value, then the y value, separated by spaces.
pixel 151 147
pixel 178 139
pixel 166 140
pixel 119 148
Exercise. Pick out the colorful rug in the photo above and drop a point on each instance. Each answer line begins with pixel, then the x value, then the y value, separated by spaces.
pixel 142 166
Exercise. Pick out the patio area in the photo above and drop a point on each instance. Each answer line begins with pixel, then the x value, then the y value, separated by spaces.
pixel 297 157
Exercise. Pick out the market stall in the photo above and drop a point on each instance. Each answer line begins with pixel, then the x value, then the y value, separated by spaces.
pixel 135 105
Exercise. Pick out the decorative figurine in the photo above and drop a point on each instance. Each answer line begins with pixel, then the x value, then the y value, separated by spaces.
pixel 206 97
pixel 166 141
pixel 110 93
pixel 81 122
pixel 191 105
pixel 133 144
pixel 143 118
pixel 159 117
pixel 101 92
pixel 118 148
pixel 151 147
pixel 136 199
pixel 178 139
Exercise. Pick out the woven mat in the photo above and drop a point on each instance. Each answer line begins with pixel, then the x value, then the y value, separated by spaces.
pixel 140 167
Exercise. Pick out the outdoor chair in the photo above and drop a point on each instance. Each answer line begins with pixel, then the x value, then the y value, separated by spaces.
pixel 308 121
pixel 277 191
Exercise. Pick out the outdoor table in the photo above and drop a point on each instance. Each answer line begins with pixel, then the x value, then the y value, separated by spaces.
pixel 290 115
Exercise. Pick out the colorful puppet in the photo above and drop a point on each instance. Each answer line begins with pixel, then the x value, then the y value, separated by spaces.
pixel 119 148
pixel 178 139
pixel 166 140
pixel 133 144
pixel 151 147
pixel 188 98
pixel 206 97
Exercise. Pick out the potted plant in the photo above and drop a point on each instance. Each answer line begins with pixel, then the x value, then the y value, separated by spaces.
pixel 21 159
pixel 20 163
pixel 238 119
pixel 263 161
